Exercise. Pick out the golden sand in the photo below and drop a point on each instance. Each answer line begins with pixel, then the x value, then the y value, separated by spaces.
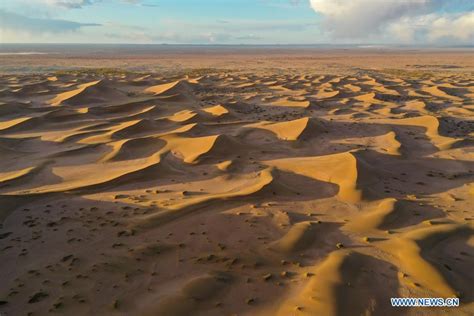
pixel 255 192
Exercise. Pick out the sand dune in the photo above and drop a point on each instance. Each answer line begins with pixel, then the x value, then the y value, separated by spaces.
pixel 194 295
pixel 68 95
pixel 291 103
pixel 171 88
pixel 344 283
pixel 290 130
pixel 437 92
pixel 374 218
pixel 217 110
pixel 322 94
pixel 182 116
pixel 386 144
pixel 212 192
pixel 431 125
pixel 241 187
pixel 11 123
pixel 130 149
pixel 301 236
pixel 340 169
pixel 413 251
pixel 6 177
pixel 180 90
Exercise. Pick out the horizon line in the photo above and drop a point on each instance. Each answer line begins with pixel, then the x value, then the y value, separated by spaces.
pixel 368 45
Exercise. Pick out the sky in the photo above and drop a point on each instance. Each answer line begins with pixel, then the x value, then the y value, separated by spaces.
pixel 427 22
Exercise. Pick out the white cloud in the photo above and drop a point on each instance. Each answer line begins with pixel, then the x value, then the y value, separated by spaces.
pixel 77 4
pixel 394 20
pixel 70 4
pixel 359 18
pixel 459 27
pixel 15 22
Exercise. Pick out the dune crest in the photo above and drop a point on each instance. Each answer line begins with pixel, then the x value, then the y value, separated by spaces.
pixel 176 91
pixel 411 248
pixel 385 144
pixel 11 123
pixel 374 218
pixel 291 103
pixel 340 169
pixel 189 149
pixel 431 124
pixel 62 97
pixel 243 186
pixel 289 130
pixel 13 175
pixel 217 110
pixel 341 286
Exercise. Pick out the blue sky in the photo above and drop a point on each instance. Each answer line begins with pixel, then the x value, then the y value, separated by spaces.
pixel 238 21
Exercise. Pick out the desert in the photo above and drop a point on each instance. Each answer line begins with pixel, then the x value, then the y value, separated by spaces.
pixel 250 181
